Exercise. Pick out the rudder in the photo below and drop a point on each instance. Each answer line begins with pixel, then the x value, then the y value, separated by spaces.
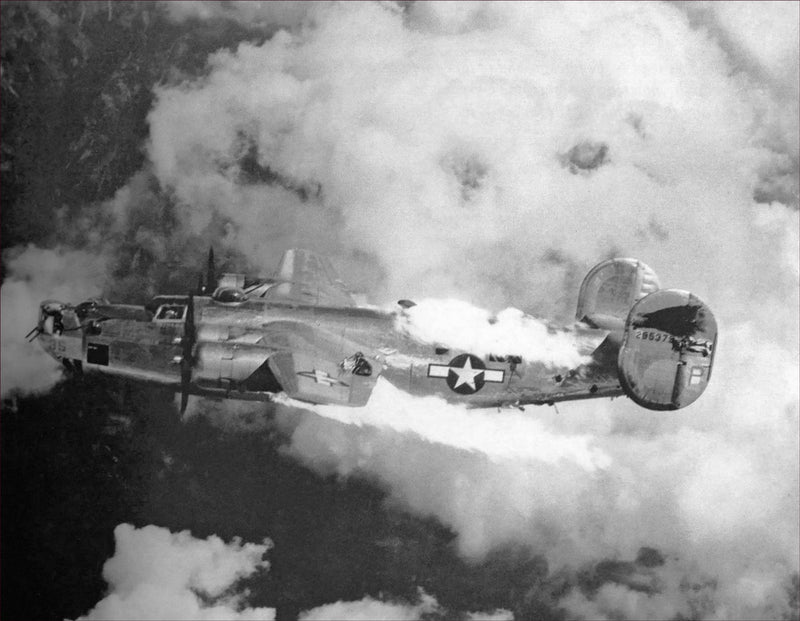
pixel 610 289
pixel 668 349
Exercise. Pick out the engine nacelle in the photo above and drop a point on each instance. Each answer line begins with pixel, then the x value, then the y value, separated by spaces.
pixel 667 350
pixel 234 365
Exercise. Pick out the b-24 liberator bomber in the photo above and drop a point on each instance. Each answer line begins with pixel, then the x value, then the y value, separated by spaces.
pixel 301 333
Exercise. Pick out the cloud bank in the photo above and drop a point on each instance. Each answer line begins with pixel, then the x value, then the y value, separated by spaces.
pixel 156 574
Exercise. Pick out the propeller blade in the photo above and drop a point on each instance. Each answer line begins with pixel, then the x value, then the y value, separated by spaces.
pixel 189 327
pixel 207 287
pixel 187 360
pixel 211 276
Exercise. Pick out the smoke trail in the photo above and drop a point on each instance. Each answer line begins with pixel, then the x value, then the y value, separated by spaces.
pixel 457 324
pixel 501 436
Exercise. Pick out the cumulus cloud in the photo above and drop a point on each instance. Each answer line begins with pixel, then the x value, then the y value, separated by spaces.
pixel 439 154
pixel 496 615
pixel 36 274
pixel 268 14
pixel 156 574
pixel 762 42
pixel 761 36
pixel 493 152
pixel 369 609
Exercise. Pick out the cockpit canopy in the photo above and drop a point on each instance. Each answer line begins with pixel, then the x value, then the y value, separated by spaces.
pixel 154 306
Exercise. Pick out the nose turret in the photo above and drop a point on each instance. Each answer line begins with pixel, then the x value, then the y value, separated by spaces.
pixel 51 317
pixel 50 320
pixel 58 330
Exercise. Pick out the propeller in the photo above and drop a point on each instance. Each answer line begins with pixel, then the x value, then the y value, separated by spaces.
pixel 211 276
pixel 187 358
pixel 210 284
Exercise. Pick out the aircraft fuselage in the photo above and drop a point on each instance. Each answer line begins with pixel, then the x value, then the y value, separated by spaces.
pixel 302 334
pixel 228 335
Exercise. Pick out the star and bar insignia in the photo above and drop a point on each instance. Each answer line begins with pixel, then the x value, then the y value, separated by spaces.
pixel 322 377
pixel 466 374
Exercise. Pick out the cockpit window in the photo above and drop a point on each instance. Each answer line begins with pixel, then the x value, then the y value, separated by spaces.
pixel 229 295
pixel 174 312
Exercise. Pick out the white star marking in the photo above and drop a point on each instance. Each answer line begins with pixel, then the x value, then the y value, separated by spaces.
pixel 322 377
pixel 466 374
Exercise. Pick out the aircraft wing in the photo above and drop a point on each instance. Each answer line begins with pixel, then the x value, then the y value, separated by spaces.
pixel 314 366
pixel 308 278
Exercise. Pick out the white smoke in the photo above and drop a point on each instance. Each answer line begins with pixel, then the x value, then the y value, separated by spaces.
pixel 155 574
pixel 493 152
pixel 34 275
pixel 457 324
pixel 501 436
